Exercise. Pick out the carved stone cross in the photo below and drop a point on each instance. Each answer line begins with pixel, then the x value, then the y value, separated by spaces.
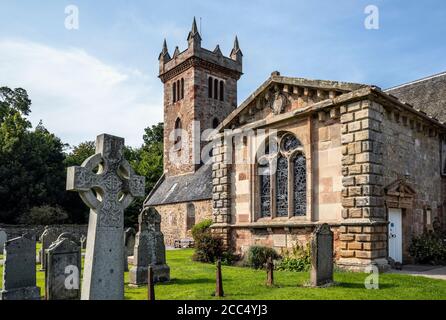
pixel 107 184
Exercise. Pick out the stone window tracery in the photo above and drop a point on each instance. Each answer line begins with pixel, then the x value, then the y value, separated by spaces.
pixel 284 167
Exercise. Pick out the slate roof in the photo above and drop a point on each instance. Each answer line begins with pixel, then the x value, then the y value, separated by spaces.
pixel 185 188
pixel 427 94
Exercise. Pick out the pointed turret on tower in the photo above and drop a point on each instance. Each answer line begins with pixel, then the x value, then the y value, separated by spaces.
pixel 236 53
pixel 200 86
pixel 194 38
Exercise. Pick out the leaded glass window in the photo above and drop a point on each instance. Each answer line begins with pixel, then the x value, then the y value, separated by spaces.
pixel 265 191
pixel 293 184
pixel 290 142
pixel 300 185
pixel 282 187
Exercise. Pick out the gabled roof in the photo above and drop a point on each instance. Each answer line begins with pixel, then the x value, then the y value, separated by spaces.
pixel 302 82
pixel 427 94
pixel 184 188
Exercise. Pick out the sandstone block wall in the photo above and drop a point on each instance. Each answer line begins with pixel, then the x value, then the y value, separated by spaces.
pixel 174 219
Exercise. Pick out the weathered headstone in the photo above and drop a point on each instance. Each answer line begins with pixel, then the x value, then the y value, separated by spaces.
pixel 83 241
pixel 269 272
pixel 129 244
pixel 219 281
pixel 19 270
pixel 322 256
pixel 70 236
pixel 149 249
pixel 47 238
pixel 3 238
pixel 107 192
pixel 62 275
pixel 130 241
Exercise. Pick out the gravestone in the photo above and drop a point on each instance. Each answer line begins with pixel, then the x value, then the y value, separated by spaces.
pixel 107 193
pixel 70 236
pixel 149 249
pixel 129 245
pixel 130 241
pixel 62 275
pixel 19 270
pixel 219 281
pixel 322 256
pixel 3 238
pixel 269 272
pixel 83 241
pixel 47 238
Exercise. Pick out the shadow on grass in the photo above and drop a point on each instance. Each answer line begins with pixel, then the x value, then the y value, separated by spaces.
pixel 349 285
pixel 176 281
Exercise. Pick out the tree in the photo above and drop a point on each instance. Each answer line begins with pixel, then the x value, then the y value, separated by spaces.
pixel 80 153
pixel 31 161
pixel 147 161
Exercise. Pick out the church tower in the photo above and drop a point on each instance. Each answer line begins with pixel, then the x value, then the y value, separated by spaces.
pixel 200 91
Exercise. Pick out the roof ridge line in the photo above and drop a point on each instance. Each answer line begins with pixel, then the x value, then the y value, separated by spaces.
pixel 417 81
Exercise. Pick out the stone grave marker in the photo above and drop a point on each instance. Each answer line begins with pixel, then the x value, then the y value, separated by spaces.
pixel 62 274
pixel 19 270
pixel 149 249
pixel 270 272
pixel 70 236
pixel 219 281
pixel 83 241
pixel 3 238
pixel 130 234
pixel 129 244
pixel 47 238
pixel 322 256
pixel 107 193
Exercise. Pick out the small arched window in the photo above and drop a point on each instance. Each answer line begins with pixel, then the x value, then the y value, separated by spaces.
pixel 216 89
pixel 178 127
pixel 215 123
pixel 174 92
pixel 178 90
pixel 190 216
pixel 222 91
pixel 182 88
pixel 210 84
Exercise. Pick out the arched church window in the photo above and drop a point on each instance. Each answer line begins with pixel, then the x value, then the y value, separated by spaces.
pixel 210 84
pixel 215 88
pixel 282 187
pixel 182 88
pixel 286 168
pixel 265 190
pixel 300 185
pixel 215 123
pixel 174 92
pixel 178 91
pixel 190 216
pixel 222 91
pixel 178 128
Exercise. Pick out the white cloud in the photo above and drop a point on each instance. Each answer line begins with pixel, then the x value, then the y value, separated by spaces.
pixel 78 96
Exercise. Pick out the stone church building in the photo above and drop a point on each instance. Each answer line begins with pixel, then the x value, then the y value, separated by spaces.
pixel 297 153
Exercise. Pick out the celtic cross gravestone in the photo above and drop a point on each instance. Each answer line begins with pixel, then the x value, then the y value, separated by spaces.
pixel 107 185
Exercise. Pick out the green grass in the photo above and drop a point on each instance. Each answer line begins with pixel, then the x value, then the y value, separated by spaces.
pixel 196 281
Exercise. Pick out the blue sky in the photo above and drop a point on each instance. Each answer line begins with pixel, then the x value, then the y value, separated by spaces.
pixel 103 77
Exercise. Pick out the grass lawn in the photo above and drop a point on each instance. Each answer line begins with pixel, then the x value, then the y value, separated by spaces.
pixel 196 281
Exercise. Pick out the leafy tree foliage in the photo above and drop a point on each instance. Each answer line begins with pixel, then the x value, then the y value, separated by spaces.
pixel 33 167
pixel 147 161
pixel 31 161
